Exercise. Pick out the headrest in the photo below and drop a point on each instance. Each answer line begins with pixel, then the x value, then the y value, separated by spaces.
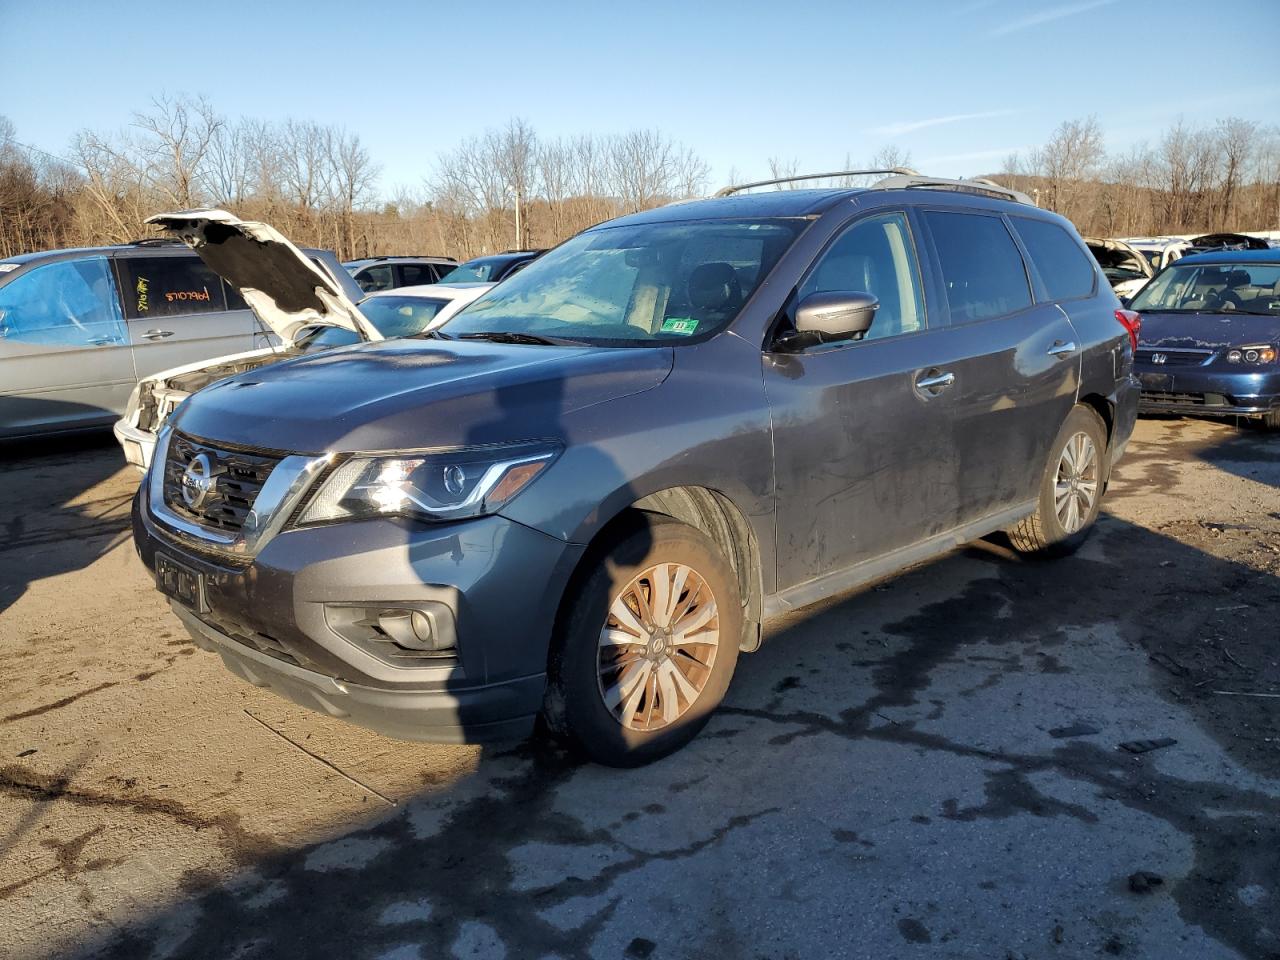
pixel 714 286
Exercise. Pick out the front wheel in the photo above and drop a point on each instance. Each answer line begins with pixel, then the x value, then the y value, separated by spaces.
pixel 1070 489
pixel 648 649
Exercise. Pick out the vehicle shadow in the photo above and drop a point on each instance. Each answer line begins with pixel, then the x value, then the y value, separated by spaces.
pixel 985 692
pixel 1244 449
pixel 56 518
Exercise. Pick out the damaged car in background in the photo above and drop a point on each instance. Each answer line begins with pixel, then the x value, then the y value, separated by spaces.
pixel 1126 268
pixel 305 308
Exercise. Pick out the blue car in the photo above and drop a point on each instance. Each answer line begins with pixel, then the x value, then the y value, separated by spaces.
pixel 1210 335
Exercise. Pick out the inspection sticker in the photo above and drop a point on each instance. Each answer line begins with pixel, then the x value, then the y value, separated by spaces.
pixel 681 325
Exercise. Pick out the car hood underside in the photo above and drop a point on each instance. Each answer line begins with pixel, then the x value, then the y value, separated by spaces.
pixel 285 289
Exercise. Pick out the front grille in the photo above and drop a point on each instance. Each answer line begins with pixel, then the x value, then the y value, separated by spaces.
pixel 1180 357
pixel 1186 399
pixel 237 479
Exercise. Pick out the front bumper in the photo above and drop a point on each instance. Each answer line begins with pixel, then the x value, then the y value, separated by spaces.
pixel 1208 392
pixel 138 444
pixel 436 715
pixel 270 618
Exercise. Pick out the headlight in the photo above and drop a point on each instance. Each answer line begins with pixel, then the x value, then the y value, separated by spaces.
pixel 1259 354
pixel 432 486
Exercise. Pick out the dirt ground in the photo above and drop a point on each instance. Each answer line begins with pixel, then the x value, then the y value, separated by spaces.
pixel 968 761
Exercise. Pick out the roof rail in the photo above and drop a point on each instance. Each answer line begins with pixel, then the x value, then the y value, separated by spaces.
pixel 730 190
pixel 155 242
pixel 409 256
pixel 979 185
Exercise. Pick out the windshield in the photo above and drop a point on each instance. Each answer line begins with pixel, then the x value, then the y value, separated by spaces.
pixel 651 283
pixel 392 316
pixel 474 271
pixel 1213 288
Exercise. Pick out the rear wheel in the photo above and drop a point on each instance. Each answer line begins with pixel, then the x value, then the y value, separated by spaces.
pixel 1070 488
pixel 648 650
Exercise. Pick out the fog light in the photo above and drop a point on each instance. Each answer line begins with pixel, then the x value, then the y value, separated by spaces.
pixel 416 630
pixel 411 629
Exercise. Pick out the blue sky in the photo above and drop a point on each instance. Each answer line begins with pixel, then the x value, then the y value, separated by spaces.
pixel 960 85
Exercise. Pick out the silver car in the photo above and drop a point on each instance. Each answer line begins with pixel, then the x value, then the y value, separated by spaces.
pixel 79 328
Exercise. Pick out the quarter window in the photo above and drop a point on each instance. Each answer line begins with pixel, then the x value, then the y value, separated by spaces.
pixel 981 267
pixel 169 287
pixel 69 303
pixel 1065 269
pixel 874 256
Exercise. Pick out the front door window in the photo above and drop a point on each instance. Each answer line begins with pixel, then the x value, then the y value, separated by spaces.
pixel 71 303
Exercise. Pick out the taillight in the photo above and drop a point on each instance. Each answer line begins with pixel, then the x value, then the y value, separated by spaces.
pixel 1131 320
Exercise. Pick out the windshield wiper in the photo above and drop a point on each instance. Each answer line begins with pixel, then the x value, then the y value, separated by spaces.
pixel 509 336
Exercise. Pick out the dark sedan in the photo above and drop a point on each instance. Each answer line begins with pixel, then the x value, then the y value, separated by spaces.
pixel 1210 334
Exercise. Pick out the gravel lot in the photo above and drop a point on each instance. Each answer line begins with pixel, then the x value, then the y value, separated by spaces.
pixel 929 768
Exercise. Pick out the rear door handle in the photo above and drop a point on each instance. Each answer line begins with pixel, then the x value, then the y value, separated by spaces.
pixel 1062 348
pixel 157 334
pixel 934 383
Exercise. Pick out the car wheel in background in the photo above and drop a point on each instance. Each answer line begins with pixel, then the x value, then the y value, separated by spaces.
pixel 647 647
pixel 1070 489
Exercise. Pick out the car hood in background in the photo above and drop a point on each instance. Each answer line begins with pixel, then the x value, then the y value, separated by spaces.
pixel 285 289
pixel 1117 253
pixel 412 394
pixel 1206 330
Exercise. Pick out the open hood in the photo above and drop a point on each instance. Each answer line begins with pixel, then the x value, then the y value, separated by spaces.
pixel 285 289
pixel 1119 261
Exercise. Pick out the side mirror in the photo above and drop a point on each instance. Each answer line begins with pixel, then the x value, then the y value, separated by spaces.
pixel 832 315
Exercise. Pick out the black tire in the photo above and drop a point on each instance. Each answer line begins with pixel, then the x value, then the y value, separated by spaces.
pixel 575 709
pixel 1043 533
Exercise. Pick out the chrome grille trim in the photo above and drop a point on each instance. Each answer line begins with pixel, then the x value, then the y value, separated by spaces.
pixel 279 496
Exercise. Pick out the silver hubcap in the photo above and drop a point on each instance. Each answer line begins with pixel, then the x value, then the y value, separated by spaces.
pixel 657 646
pixel 1076 487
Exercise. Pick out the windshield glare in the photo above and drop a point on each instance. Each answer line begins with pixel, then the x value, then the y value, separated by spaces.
pixel 1213 288
pixel 473 271
pixel 651 283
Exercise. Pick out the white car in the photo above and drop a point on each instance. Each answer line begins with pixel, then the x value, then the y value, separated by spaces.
pixel 305 309
pixel 1160 251
pixel 1126 268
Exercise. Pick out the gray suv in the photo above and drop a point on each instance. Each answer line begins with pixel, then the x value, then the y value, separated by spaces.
pixel 580 499
pixel 79 328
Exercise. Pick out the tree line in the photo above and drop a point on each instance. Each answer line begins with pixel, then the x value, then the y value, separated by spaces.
pixel 510 188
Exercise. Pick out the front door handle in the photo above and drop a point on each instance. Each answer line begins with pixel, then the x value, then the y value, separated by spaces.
pixel 1062 348
pixel 157 334
pixel 935 382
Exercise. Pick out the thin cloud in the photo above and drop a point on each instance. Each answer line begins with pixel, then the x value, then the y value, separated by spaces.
pixel 1048 16
pixel 911 126
pixel 971 157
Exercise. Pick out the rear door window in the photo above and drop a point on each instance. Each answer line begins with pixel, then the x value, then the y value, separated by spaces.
pixel 982 269
pixel 1065 269
pixel 412 274
pixel 169 287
